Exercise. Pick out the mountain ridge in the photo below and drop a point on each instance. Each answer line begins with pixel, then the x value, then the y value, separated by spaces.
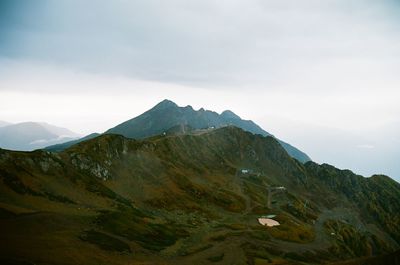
pixel 184 198
pixel 168 114
pixel 62 146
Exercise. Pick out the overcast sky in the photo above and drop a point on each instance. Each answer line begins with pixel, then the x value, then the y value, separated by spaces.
pixel 322 75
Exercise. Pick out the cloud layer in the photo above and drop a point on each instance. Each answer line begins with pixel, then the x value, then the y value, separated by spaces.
pixel 210 43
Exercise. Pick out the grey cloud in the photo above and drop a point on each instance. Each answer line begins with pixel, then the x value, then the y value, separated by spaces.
pixel 207 43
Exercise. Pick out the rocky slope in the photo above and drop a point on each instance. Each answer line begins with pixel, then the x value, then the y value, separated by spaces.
pixel 188 198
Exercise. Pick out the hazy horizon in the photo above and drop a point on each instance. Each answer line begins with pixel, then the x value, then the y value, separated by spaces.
pixel 322 76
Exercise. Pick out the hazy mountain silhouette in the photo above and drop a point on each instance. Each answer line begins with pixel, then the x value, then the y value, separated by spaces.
pixel 28 136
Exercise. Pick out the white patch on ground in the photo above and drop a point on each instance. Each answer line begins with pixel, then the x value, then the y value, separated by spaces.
pixel 268 222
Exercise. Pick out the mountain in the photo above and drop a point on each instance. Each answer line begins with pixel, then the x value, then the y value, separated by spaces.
pixel 190 198
pixel 65 145
pixel 4 123
pixel 59 130
pixel 167 114
pixel 28 136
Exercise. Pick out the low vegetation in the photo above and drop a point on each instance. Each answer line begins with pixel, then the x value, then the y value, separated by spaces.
pixel 180 199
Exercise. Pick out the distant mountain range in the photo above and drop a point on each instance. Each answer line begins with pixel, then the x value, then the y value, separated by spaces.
pixel 29 136
pixel 168 117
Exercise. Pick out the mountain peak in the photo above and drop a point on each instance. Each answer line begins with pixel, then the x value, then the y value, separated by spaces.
pixel 166 103
pixel 228 114
pixel 166 115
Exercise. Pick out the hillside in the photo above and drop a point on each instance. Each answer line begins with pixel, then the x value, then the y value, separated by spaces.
pixel 167 114
pixel 189 198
